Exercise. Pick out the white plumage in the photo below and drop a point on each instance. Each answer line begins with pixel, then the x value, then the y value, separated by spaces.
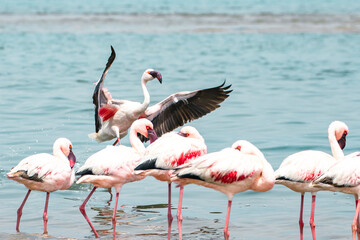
pixel 232 170
pixel 45 172
pixel 298 170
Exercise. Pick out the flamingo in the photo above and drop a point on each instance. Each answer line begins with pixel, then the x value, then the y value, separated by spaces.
pixel 45 172
pixel 344 177
pixel 168 152
pixel 114 166
pixel 231 170
pixel 114 117
pixel 298 170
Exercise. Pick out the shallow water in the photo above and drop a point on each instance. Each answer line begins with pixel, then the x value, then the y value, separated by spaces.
pixel 294 68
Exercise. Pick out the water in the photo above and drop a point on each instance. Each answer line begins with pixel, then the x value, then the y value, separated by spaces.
pixel 294 67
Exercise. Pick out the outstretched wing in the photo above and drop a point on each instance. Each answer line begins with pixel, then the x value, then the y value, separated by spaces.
pixel 99 98
pixel 183 107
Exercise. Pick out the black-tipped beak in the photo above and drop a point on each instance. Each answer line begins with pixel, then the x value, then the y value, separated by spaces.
pixel 156 74
pixel 342 141
pixel 152 135
pixel 182 134
pixel 72 159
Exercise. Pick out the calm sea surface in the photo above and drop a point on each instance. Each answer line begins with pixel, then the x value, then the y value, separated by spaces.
pixel 293 66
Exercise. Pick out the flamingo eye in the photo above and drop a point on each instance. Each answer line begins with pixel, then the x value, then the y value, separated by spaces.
pixel 186 134
pixel 70 146
pixel 345 132
pixel 147 127
pixel 238 148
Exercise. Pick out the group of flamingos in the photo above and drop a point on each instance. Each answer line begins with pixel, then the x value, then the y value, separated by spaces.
pixel 181 157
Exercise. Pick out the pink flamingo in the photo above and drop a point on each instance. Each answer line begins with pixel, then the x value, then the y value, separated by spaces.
pixel 114 166
pixel 114 117
pixel 343 176
pixel 45 172
pixel 168 152
pixel 231 170
pixel 298 170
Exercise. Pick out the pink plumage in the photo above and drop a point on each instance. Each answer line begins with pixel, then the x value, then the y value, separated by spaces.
pixel 231 170
pixel 298 170
pixel 167 153
pixel 114 166
pixel 45 172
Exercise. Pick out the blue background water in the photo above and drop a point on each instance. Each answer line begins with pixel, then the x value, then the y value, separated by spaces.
pixel 294 67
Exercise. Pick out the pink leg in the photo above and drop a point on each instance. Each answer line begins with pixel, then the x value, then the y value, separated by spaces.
pixel 170 218
pixel 179 215
pixel 45 216
pixel 312 221
pixel 117 141
pixel 358 222
pixel 19 211
pixel 301 223
pixel 356 218
pixel 114 213
pixel 111 196
pixel 82 210
pixel 226 229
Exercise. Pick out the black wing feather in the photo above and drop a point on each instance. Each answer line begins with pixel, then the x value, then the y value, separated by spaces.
pixel 99 97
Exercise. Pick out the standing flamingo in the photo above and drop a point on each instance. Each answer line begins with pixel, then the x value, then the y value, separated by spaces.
pixel 114 166
pixel 45 172
pixel 231 170
pixel 344 176
pixel 298 170
pixel 168 152
pixel 114 117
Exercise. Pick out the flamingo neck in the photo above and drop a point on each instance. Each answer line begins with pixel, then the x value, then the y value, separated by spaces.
pixel 146 102
pixel 334 145
pixel 135 141
pixel 267 177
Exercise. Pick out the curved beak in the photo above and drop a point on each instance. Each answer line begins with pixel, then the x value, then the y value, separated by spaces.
pixel 156 74
pixel 152 135
pixel 182 134
pixel 72 159
pixel 342 141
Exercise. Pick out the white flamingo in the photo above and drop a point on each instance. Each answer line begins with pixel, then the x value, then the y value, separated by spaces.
pixel 344 176
pixel 114 166
pixel 45 172
pixel 170 151
pixel 298 170
pixel 114 117
pixel 231 170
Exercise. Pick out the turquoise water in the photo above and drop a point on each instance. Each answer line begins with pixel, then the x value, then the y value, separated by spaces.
pixel 294 67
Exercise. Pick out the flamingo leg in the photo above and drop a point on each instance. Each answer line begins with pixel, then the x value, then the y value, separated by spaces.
pixel 356 218
pixel 312 221
pixel 358 222
pixel 114 213
pixel 82 210
pixel 226 229
pixel 45 216
pixel 301 223
pixel 179 215
pixel 19 211
pixel 116 141
pixel 170 218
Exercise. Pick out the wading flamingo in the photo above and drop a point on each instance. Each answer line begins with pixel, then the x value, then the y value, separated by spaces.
pixel 114 117
pixel 298 170
pixel 170 151
pixel 114 166
pixel 344 176
pixel 231 170
pixel 45 172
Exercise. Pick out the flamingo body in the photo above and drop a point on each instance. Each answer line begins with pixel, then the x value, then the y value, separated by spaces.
pixel 45 172
pixel 232 170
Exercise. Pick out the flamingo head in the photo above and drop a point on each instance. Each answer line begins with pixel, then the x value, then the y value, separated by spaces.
pixel 65 146
pixel 151 74
pixel 145 128
pixel 246 148
pixel 340 130
pixel 190 132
